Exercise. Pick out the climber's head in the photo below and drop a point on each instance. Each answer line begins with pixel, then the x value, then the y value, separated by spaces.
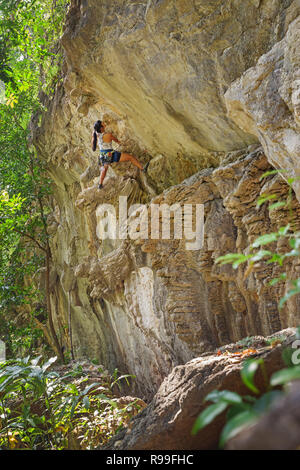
pixel 99 126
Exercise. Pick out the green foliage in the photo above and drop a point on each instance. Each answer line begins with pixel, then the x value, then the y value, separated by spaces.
pixel 275 339
pixel 248 373
pixel 285 375
pixel 29 62
pixel 245 410
pixel 40 409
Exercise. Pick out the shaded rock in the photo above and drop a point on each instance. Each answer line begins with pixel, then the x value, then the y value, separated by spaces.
pixel 158 71
pixel 279 429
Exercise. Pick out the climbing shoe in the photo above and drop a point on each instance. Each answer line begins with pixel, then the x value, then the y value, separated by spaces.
pixel 145 167
pixel 100 186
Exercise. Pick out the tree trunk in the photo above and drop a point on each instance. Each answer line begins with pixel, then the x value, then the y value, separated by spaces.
pixel 57 346
pixel 70 327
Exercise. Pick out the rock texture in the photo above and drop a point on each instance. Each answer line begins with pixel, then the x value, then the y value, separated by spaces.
pixel 167 421
pixel 265 101
pixel 158 304
pixel 173 80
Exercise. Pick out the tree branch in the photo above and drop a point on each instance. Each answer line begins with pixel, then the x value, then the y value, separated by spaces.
pixel 31 238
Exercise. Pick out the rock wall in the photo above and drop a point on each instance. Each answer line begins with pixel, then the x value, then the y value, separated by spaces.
pixel 265 101
pixel 207 91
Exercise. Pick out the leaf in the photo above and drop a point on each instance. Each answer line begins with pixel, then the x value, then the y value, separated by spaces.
pixel 250 398
pixel 208 415
pixel 274 281
pixel 263 404
pixel 248 372
pixel 265 239
pixel 286 355
pixel 102 396
pixel 237 424
pixel 237 409
pixel 49 363
pixel 110 401
pixel 229 258
pixel 284 376
pixel 35 361
pixel 89 387
pixel 293 252
pixel 65 403
pixel 264 197
pixel 224 395
pixel 71 388
pixel 86 402
pixel 75 400
pixel 276 258
pixel 36 372
pixel 272 172
pixel 125 376
pixel 276 205
pixel 234 258
pixel 284 230
pixel 289 294
pixel 261 254
pixel 292 180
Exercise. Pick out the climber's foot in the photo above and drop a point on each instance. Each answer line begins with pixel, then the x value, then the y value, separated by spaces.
pixel 145 167
pixel 100 186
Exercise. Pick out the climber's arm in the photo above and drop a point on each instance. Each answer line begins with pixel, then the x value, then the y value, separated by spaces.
pixel 92 142
pixel 114 139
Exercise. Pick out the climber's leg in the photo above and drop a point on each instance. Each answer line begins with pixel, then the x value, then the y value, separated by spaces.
pixel 103 172
pixel 126 157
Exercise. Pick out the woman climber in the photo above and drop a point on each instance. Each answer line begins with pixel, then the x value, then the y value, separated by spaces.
pixel 107 154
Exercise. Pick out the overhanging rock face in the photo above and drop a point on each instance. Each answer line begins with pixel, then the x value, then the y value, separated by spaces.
pixel 265 101
pixel 161 75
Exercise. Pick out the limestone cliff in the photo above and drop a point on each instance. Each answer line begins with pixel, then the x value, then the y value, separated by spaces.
pixel 208 92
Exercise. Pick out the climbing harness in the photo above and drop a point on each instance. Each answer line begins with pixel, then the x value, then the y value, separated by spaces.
pixel 106 152
pixel 105 156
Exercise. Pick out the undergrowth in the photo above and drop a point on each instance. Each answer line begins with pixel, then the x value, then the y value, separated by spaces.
pixel 41 409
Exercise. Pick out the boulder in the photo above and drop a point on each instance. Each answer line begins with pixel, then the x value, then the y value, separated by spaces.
pixel 167 421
